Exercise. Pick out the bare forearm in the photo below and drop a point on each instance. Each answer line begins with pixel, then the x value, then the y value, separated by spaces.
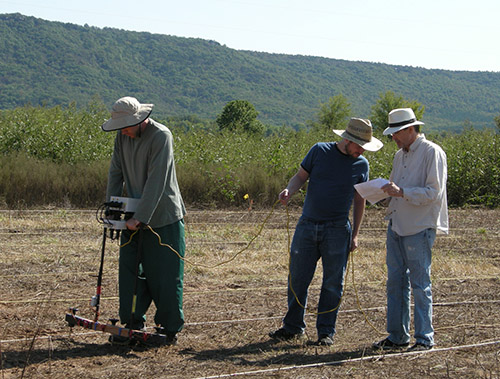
pixel 294 185
pixel 357 217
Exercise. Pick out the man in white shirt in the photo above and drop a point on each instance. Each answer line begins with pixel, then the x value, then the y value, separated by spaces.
pixel 417 210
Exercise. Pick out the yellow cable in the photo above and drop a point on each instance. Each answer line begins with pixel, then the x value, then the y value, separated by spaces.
pixel 350 263
pixel 201 264
pixel 357 298
pixel 130 239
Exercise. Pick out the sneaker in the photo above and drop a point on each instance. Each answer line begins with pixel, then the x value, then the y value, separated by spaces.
pixel 420 347
pixel 387 344
pixel 325 340
pixel 282 334
pixel 170 337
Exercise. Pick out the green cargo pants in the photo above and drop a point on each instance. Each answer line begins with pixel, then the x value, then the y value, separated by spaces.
pixel 161 276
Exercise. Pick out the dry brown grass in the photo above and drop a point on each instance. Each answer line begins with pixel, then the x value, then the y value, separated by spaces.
pixel 49 261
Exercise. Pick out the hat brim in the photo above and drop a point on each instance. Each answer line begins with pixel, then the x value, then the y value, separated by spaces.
pixel 374 145
pixel 129 120
pixel 395 129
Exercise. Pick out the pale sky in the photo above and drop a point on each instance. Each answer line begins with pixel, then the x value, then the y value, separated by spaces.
pixel 442 34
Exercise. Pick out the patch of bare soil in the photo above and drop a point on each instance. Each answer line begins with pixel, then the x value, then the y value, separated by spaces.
pixel 49 262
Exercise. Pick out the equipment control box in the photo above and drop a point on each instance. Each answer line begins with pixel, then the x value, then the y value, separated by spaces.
pixel 118 211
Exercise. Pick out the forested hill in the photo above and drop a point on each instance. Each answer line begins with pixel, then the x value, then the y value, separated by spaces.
pixel 52 63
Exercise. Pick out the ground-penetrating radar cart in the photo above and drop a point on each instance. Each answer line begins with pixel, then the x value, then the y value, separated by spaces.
pixel 114 215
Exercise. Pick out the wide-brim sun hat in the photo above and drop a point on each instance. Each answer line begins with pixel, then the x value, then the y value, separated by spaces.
pixel 359 131
pixel 400 119
pixel 126 112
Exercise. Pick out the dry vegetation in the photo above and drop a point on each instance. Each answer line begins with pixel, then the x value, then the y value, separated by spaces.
pixel 49 260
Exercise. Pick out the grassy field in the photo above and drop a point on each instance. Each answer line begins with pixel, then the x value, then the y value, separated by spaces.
pixel 49 260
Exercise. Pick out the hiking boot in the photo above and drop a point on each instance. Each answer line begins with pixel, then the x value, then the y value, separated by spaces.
pixel 325 340
pixel 387 344
pixel 283 335
pixel 420 347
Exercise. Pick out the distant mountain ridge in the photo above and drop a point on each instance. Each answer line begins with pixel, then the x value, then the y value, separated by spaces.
pixel 51 63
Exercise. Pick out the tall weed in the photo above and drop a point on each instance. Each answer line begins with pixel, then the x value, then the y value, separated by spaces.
pixel 27 182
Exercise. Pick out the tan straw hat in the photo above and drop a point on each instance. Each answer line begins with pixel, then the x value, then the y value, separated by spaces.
pixel 126 112
pixel 401 118
pixel 359 131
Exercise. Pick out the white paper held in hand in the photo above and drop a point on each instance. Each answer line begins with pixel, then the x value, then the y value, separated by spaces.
pixel 371 191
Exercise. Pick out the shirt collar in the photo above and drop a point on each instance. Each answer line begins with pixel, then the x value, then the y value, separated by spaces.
pixel 414 146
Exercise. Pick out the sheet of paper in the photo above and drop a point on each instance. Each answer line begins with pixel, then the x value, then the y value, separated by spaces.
pixel 371 190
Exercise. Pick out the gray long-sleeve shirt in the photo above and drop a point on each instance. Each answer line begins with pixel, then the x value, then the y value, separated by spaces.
pixel 144 167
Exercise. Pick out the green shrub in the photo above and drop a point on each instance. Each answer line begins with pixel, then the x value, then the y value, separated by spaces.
pixel 60 156
pixel 473 167
pixel 61 135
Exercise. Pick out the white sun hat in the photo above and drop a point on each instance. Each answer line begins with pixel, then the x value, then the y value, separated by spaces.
pixel 400 119
pixel 126 112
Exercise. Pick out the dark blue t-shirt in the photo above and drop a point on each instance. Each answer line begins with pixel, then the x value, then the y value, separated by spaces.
pixel 332 176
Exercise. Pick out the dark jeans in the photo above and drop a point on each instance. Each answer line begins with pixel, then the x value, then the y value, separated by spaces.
pixel 312 240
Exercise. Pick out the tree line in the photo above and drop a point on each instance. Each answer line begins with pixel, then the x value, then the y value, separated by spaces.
pixel 52 63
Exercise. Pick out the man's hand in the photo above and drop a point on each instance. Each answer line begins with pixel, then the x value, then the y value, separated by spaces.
pixel 392 190
pixel 284 196
pixel 133 224
pixel 293 186
pixel 354 244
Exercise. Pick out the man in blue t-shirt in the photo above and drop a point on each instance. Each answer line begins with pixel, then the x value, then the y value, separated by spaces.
pixel 324 230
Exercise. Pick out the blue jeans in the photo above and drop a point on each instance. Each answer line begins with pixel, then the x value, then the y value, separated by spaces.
pixel 409 264
pixel 312 240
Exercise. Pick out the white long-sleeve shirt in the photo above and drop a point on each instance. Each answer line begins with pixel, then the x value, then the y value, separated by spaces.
pixel 422 173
